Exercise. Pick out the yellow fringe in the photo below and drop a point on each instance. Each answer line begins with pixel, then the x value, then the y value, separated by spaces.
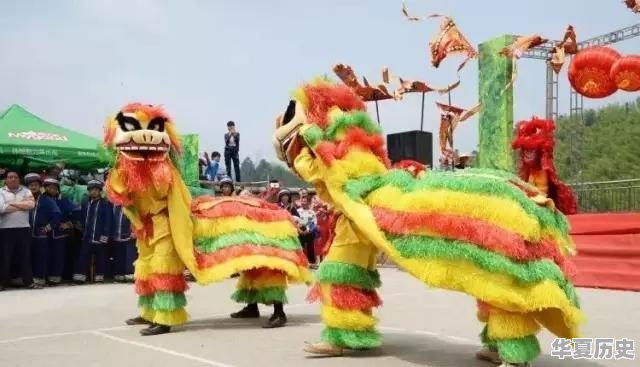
pixel 224 271
pixel 347 319
pixel 509 325
pixel 269 281
pixel 222 226
pixel 169 318
pixel 497 211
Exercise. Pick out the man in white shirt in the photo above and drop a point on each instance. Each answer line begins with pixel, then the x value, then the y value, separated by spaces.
pixel 15 231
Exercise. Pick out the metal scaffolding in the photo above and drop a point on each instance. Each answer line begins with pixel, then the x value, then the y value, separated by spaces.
pixel 576 101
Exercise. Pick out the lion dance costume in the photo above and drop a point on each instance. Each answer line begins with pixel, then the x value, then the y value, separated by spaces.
pixel 212 238
pixel 472 231
pixel 535 141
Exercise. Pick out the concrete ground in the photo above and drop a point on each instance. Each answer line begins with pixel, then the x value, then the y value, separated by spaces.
pixel 83 326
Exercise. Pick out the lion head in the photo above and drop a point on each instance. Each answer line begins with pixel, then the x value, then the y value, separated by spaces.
pixel 142 133
pixel 330 119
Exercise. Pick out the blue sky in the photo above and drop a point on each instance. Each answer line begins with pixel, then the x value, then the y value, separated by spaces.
pixel 76 61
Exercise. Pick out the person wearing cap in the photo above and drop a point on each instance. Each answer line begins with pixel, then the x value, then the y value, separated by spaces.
pixel 15 231
pixel 96 216
pixel 226 186
pixel 59 235
pixel 44 217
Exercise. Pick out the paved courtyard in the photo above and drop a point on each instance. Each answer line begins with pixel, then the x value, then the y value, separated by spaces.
pixel 83 326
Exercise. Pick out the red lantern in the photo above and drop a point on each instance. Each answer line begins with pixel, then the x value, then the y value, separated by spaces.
pixel 589 72
pixel 625 73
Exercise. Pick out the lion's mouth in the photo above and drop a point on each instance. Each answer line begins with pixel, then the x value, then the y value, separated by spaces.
pixel 144 152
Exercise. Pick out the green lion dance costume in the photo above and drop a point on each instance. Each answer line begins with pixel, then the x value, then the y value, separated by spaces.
pixel 482 232
pixel 213 238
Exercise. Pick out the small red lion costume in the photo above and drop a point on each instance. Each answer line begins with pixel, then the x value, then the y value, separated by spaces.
pixel 535 141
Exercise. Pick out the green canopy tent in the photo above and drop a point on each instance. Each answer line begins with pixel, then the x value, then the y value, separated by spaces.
pixel 28 142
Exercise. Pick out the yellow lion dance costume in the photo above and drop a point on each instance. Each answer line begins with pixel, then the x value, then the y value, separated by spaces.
pixel 475 231
pixel 212 238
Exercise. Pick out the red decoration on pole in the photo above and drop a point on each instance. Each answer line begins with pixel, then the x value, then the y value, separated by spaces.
pixel 625 73
pixel 589 72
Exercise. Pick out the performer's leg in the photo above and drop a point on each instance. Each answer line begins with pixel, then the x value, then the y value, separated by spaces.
pixel 246 293
pixel 347 281
pixel 513 335
pixel 56 260
pixel 160 285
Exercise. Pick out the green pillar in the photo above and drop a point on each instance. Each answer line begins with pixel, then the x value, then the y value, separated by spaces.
pixel 496 116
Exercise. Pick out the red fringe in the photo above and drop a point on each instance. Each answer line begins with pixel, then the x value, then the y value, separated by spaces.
pixel 116 198
pixel 174 283
pixel 321 97
pixel 351 298
pixel 201 207
pixel 229 253
pixel 139 176
pixel 482 234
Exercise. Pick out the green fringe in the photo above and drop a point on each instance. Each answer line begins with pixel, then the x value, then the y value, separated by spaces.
pixel 313 135
pixel 423 247
pixel 352 339
pixel 266 296
pixel 348 274
pixel 213 244
pixel 519 350
pixel 163 301
pixel 469 182
pixel 360 119
pixel 525 272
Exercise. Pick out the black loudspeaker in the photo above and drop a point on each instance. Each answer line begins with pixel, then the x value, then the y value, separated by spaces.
pixel 414 145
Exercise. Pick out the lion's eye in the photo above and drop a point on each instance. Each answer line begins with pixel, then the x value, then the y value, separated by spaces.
pixel 157 124
pixel 127 123
pixel 290 113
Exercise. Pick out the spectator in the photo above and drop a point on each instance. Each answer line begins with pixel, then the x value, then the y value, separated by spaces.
pixel 213 166
pixel 232 150
pixel 303 193
pixel 96 222
pixel 43 218
pixel 308 224
pixel 59 241
pixel 246 193
pixel 15 231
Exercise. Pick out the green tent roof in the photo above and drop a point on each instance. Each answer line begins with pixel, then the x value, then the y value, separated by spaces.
pixel 27 141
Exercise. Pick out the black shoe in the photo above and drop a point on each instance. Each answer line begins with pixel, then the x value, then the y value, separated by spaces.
pixel 138 321
pixel 246 313
pixel 155 329
pixel 276 320
pixel 34 286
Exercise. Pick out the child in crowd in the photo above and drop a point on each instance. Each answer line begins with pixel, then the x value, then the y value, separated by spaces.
pixel 213 166
pixel 308 226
